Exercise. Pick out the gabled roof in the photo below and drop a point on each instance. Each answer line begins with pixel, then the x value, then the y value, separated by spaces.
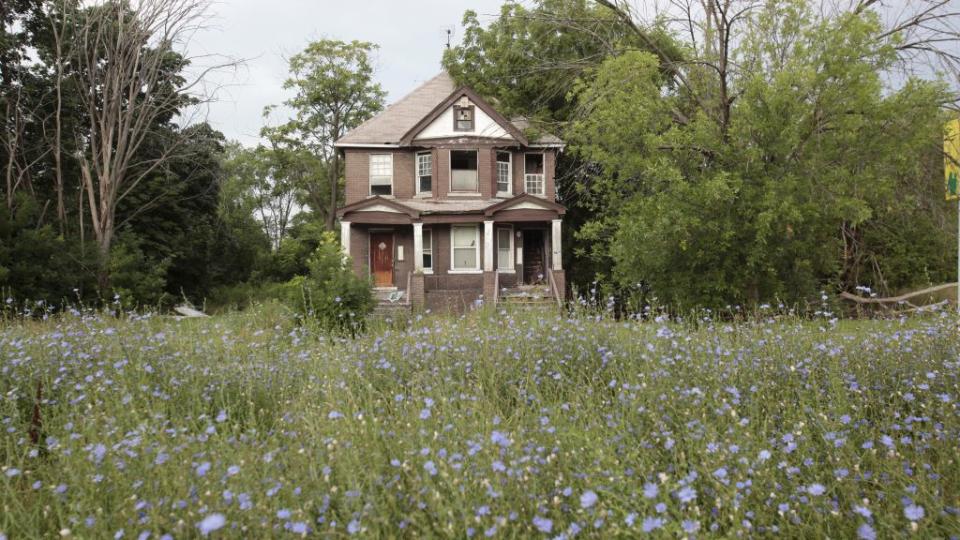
pixel 525 200
pixel 392 123
pixel 378 201
pixel 447 103
pixel 390 126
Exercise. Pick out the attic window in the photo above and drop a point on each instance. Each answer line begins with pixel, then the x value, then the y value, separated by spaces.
pixel 463 118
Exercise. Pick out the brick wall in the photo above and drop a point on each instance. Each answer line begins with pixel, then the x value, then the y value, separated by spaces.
pixel 357 172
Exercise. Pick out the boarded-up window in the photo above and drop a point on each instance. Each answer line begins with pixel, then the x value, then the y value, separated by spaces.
pixel 381 174
pixel 463 170
pixel 466 247
pixel 463 118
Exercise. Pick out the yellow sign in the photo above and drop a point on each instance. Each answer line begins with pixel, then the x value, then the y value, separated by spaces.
pixel 951 159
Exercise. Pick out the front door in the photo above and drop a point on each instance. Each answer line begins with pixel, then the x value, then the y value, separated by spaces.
pixel 533 267
pixel 381 258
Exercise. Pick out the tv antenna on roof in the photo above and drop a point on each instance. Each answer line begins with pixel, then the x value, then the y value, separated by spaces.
pixel 449 31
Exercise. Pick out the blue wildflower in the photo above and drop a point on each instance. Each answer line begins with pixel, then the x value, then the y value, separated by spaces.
pixel 544 525
pixel 651 524
pixel 588 499
pixel 211 523
pixel 913 512
pixel 866 532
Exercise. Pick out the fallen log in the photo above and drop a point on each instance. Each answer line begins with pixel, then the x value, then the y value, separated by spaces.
pixel 897 299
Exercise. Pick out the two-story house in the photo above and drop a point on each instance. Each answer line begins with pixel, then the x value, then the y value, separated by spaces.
pixel 446 196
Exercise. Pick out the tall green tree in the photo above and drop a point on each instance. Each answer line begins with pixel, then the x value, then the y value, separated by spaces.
pixel 765 196
pixel 334 91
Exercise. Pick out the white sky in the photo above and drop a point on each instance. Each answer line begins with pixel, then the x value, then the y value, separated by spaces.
pixel 411 35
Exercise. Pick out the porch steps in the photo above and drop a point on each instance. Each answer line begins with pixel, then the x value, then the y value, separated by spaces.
pixel 527 297
pixel 391 303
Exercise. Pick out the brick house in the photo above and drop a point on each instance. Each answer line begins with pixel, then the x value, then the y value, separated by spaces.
pixel 447 200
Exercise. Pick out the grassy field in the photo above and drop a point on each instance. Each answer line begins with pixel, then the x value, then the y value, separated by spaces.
pixel 493 425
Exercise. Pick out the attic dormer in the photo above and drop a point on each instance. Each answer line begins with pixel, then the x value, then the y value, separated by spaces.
pixel 463 115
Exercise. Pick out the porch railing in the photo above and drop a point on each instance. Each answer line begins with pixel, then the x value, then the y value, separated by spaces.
pixel 496 287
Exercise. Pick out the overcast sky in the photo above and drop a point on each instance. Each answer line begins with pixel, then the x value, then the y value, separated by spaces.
pixel 411 35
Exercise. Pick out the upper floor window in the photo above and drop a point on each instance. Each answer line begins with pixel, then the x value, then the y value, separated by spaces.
pixel 463 170
pixel 533 174
pixel 463 118
pixel 424 172
pixel 504 183
pixel 381 174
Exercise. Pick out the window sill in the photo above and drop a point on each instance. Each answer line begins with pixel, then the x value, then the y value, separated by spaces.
pixel 424 195
pixel 463 194
pixel 427 271
pixel 477 271
pixel 504 194
pixel 384 196
pixel 507 271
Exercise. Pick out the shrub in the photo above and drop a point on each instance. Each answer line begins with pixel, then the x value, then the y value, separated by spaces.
pixel 331 293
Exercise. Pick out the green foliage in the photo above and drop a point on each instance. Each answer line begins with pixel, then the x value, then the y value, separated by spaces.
pixel 453 424
pixel 816 156
pixel 334 92
pixel 331 294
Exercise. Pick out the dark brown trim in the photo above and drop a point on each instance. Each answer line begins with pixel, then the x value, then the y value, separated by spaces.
pixel 549 206
pixel 375 200
pixel 377 218
pixel 452 218
pixel 408 137
pixel 466 142
pixel 526 214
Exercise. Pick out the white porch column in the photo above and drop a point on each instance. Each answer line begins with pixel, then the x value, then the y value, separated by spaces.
pixel 488 246
pixel 418 247
pixel 557 245
pixel 345 237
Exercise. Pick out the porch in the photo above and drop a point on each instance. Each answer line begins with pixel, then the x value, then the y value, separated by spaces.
pixel 438 259
pixel 450 266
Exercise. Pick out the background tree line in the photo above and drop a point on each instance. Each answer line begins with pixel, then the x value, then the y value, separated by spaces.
pixel 114 186
pixel 720 152
pixel 732 152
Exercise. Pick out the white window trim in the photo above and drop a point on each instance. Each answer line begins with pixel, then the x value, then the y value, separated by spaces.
pixel 423 250
pixel 454 192
pixel 370 176
pixel 512 267
pixel 509 191
pixel 416 173
pixel 544 161
pixel 475 270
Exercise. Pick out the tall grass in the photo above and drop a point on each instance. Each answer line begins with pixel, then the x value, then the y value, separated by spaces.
pixel 495 424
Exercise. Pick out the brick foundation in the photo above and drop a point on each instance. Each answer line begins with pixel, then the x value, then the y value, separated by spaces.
pixel 417 293
pixel 489 287
pixel 560 277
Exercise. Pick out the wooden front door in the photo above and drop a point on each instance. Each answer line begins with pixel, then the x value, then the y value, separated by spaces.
pixel 381 258
pixel 534 271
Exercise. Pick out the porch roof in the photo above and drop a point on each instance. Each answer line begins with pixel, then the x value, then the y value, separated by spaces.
pixel 524 207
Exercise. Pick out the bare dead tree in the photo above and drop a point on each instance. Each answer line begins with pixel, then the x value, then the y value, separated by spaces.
pixel 59 22
pixel 924 33
pixel 129 56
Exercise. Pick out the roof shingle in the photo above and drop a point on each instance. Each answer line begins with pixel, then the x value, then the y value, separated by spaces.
pixel 397 119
